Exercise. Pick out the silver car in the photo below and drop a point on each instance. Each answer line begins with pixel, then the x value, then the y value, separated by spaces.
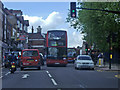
pixel 84 61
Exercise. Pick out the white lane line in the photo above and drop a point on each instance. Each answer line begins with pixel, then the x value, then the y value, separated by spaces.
pixel 7 73
pixel 82 86
pixel 54 81
pixel 47 72
pixel 1 77
pixel 49 75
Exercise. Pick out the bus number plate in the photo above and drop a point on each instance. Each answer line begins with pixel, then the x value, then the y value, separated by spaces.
pixel 57 63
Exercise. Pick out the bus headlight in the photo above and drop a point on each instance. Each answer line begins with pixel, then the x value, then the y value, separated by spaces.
pixel 36 60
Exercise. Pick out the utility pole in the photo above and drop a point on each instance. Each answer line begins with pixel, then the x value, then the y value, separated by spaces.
pixel 110 49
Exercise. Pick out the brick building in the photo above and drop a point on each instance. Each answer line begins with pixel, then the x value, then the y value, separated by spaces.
pixel 12 27
pixel 37 40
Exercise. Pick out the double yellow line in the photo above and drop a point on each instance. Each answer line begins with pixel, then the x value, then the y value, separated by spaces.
pixel 117 76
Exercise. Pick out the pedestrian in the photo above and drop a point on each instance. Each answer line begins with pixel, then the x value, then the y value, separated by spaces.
pixel 93 56
pixel 100 56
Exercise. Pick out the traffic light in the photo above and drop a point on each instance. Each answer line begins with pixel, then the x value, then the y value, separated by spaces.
pixel 86 48
pixel 73 9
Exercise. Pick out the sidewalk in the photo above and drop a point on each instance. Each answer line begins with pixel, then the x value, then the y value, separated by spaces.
pixel 114 67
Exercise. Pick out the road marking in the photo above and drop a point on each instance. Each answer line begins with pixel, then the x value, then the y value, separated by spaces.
pixel 51 78
pixel 49 75
pixel 1 77
pixel 47 72
pixel 99 70
pixel 7 73
pixel 82 86
pixel 117 76
pixel 25 76
pixel 54 81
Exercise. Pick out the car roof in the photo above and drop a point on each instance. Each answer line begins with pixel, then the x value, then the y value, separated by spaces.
pixel 84 55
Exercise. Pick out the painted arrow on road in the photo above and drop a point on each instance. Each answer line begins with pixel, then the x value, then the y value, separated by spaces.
pixel 25 76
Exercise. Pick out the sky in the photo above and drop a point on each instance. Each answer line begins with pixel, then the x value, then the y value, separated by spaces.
pixel 48 15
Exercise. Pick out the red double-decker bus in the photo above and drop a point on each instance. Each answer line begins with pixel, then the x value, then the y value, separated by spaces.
pixel 56 43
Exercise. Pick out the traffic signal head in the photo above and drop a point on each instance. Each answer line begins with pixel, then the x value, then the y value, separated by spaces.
pixel 73 9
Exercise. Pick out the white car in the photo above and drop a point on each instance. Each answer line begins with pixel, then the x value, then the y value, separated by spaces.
pixel 84 61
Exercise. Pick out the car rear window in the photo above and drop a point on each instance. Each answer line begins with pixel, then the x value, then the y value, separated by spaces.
pixel 30 53
pixel 84 58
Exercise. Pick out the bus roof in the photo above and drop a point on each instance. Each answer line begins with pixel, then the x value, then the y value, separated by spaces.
pixel 56 30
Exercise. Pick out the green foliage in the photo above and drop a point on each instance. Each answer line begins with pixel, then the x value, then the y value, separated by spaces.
pixel 96 25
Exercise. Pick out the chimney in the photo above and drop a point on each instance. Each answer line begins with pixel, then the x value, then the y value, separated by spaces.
pixel 39 29
pixel 32 29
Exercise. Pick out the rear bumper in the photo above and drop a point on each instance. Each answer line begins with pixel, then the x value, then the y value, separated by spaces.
pixel 30 66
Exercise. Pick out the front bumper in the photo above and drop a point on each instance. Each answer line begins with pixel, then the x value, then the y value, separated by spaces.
pixel 85 66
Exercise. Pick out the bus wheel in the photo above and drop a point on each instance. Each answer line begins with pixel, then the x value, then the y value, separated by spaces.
pixel 64 65
pixel 39 68
pixel 48 65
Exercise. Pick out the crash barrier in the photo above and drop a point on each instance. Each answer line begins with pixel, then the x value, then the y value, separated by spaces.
pixel 100 62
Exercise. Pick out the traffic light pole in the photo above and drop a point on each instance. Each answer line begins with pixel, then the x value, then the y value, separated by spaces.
pixel 110 50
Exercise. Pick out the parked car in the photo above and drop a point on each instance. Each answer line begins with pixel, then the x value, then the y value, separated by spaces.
pixel 84 61
pixel 30 58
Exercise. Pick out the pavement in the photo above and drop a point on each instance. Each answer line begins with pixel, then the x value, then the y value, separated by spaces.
pixel 114 67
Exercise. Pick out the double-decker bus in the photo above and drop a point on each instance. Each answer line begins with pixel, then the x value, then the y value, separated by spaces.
pixel 56 43
pixel 71 54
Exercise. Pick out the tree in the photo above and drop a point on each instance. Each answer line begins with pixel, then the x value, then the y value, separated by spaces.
pixel 96 25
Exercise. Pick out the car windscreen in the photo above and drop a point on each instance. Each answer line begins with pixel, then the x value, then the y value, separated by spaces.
pixel 30 53
pixel 84 58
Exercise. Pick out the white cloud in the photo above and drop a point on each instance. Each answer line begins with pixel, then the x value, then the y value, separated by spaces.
pixel 55 21
pixel 75 39
pixel 51 22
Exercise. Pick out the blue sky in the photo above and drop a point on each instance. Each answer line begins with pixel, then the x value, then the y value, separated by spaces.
pixel 49 15
pixel 39 8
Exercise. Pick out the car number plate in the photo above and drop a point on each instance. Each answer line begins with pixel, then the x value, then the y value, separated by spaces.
pixel 13 66
pixel 57 63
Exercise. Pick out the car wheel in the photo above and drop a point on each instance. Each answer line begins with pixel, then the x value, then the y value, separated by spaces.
pixel 39 68
pixel 76 68
pixel 21 68
pixel 48 65
pixel 92 68
pixel 5 66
